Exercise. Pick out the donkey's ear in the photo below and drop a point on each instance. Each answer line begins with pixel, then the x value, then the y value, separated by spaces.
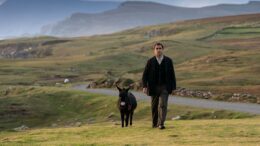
pixel 118 88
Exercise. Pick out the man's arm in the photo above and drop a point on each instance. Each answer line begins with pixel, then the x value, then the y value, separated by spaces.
pixel 145 74
pixel 172 75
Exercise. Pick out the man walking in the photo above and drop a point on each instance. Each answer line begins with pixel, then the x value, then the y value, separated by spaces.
pixel 158 82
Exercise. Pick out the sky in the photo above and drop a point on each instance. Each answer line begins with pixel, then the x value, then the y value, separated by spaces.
pixel 197 3
pixel 1 1
pixel 188 3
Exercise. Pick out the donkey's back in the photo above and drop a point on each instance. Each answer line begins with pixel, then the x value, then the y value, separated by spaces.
pixel 132 100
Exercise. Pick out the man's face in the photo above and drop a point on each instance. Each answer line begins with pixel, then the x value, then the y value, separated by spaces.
pixel 158 50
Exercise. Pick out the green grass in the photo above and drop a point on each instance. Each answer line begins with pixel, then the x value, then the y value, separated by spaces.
pixel 43 106
pixel 220 54
pixel 118 63
pixel 235 33
pixel 241 30
pixel 201 51
pixel 191 132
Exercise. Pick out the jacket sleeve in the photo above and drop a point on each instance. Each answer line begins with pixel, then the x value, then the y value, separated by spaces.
pixel 146 74
pixel 173 78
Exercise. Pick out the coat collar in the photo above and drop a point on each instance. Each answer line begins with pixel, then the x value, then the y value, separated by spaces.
pixel 155 59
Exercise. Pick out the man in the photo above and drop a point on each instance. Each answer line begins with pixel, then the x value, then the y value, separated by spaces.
pixel 158 82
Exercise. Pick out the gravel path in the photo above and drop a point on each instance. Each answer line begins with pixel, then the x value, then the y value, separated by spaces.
pixel 202 103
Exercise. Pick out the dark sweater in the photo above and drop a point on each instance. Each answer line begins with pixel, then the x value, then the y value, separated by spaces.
pixel 160 73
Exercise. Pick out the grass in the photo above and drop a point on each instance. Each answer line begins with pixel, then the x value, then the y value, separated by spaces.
pixel 44 106
pixel 190 132
pixel 217 54
pixel 223 63
pixel 236 32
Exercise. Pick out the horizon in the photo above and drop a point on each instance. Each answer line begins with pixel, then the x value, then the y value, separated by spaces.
pixel 21 18
pixel 190 3
pixel 182 3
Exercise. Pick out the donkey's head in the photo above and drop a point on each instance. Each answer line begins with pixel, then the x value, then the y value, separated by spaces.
pixel 123 94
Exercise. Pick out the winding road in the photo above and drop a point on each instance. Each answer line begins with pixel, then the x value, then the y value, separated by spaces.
pixel 202 103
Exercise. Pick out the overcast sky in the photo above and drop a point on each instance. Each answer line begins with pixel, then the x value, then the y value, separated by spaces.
pixel 196 3
pixel 188 3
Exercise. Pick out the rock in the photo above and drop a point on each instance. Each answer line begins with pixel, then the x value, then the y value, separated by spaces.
pixel 209 93
pixel 21 128
pixel 66 81
pixel 58 84
pixel 78 124
pixel 258 100
pixel 92 85
pixel 91 120
pixel 235 97
pixel 176 118
pixel 110 115
pixel 152 33
pixel 205 96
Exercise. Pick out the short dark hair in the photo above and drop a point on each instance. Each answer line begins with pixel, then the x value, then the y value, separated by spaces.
pixel 158 44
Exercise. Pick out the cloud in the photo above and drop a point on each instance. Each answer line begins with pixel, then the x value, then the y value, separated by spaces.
pixel 184 3
pixel 2 1
pixel 193 3
pixel 202 3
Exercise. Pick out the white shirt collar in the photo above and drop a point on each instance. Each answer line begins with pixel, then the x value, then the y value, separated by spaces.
pixel 159 59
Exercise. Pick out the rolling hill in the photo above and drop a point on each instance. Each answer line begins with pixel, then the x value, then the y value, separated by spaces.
pixel 26 17
pixel 132 14
pixel 220 55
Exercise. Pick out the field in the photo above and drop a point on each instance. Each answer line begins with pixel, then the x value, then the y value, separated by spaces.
pixel 190 132
pixel 47 106
pixel 61 116
pixel 220 55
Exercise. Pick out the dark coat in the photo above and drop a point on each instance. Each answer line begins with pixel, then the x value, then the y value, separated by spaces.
pixel 148 78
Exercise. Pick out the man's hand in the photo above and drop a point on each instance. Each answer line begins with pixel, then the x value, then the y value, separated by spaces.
pixel 145 90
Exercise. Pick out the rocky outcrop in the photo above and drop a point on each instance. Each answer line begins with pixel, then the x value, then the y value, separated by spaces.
pixel 193 93
pixel 111 82
pixel 21 128
pixel 244 97
pixel 24 50
pixel 180 91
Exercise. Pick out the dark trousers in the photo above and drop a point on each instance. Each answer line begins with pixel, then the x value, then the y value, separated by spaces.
pixel 159 104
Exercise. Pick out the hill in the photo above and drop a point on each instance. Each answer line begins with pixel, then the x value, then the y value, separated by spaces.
pixel 214 54
pixel 27 17
pixel 38 107
pixel 132 14
pixel 192 132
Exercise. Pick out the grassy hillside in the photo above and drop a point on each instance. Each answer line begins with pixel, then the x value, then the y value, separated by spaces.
pixel 61 116
pixel 220 55
pixel 238 132
pixel 52 106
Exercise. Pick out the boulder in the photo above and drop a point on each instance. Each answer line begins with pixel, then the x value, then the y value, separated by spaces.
pixel 66 81
pixel 21 128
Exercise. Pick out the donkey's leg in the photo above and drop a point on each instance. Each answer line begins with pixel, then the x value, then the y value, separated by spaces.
pixel 127 119
pixel 131 117
pixel 122 118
